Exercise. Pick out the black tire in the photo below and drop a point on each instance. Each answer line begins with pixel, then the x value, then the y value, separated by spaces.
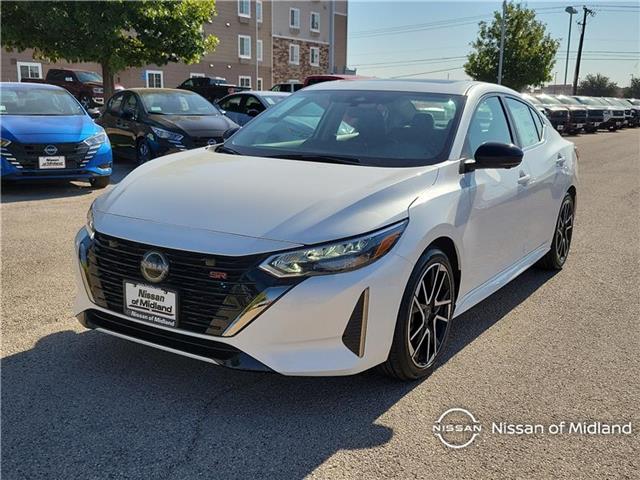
pixel 143 151
pixel 100 182
pixel 561 243
pixel 402 364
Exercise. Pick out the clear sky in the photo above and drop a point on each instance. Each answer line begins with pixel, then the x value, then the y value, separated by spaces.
pixel 430 39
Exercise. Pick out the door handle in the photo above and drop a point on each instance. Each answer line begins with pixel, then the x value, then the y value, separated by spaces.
pixel 560 160
pixel 524 179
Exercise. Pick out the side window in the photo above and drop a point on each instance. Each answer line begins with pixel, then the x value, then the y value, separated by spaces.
pixel 253 104
pixel 525 126
pixel 188 83
pixel 538 121
pixel 488 124
pixel 115 104
pixel 231 104
pixel 131 105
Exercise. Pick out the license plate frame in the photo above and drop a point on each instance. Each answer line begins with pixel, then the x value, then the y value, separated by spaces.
pixel 52 162
pixel 142 301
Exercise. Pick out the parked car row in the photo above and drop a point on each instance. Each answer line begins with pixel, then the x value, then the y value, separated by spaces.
pixel 574 114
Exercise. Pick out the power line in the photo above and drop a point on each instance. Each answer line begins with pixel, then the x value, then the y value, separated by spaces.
pixel 426 73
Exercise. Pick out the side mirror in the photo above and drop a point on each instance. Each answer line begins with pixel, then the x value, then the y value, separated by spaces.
pixel 94 113
pixel 230 132
pixel 253 112
pixel 494 155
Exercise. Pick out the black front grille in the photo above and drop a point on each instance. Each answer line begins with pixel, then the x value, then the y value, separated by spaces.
pixel 578 114
pixel 558 113
pixel 596 113
pixel 205 304
pixel 204 141
pixel 618 113
pixel 26 155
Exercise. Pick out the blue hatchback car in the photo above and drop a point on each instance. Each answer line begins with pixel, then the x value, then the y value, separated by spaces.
pixel 46 134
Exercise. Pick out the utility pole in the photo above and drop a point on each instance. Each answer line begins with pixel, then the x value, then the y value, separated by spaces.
pixel 586 12
pixel 502 29
pixel 571 11
pixel 257 61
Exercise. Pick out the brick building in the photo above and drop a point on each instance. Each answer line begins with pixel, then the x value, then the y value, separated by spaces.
pixel 262 42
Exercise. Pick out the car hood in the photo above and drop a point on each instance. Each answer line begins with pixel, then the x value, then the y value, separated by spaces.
pixel 291 201
pixel 195 125
pixel 576 107
pixel 47 129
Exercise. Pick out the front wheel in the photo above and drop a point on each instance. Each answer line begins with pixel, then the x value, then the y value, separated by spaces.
pixel 100 182
pixel 143 151
pixel 422 326
pixel 557 255
pixel 85 101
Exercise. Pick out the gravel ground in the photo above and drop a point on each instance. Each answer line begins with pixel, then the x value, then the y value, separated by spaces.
pixel 546 348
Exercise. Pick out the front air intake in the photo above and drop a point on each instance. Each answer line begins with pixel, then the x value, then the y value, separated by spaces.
pixel 356 329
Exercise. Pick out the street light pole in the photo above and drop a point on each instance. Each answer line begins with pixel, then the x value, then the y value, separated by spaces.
pixel 571 11
pixel 502 29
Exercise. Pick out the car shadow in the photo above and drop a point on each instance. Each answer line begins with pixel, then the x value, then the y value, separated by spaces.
pixel 34 190
pixel 87 405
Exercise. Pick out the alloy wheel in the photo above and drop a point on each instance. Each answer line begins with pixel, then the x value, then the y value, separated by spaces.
pixel 429 316
pixel 144 152
pixel 564 230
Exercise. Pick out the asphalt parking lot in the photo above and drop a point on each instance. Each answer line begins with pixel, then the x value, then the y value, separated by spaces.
pixel 546 348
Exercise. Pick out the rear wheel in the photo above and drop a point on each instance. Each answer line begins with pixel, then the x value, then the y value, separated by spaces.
pixel 557 255
pixel 100 182
pixel 422 326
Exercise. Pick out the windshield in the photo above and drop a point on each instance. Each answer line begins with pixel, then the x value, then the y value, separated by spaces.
pixel 549 100
pixel 590 101
pixel 37 101
pixel 568 100
pixel 273 99
pixel 532 99
pixel 176 103
pixel 86 77
pixel 375 128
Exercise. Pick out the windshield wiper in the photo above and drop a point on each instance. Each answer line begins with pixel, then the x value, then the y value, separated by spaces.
pixel 311 157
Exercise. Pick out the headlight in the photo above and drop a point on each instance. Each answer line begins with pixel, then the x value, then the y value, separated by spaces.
pixel 166 134
pixel 4 143
pixel 97 139
pixel 90 227
pixel 335 257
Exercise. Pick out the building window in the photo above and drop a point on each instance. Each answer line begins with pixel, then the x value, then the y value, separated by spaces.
pixel 196 75
pixel 244 46
pixel 244 8
pixel 314 22
pixel 314 56
pixel 294 54
pixel 259 11
pixel 244 81
pixel 29 70
pixel 294 18
pixel 259 83
pixel 259 50
pixel 155 79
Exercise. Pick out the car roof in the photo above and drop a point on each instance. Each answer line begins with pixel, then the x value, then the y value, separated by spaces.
pixel 156 90
pixel 28 85
pixel 453 87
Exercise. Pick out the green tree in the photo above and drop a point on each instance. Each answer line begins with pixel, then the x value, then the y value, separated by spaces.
pixel 529 52
pixel 116 34
pixel 633 90
pixel 597 86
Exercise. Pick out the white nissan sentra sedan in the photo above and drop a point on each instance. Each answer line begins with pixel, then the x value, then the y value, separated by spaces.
pixel 342 229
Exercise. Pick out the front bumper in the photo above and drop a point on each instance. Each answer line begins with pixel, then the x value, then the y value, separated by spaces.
pixel 14 169
pixel 301 333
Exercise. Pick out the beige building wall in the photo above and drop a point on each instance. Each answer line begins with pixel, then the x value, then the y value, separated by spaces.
pixel 274 31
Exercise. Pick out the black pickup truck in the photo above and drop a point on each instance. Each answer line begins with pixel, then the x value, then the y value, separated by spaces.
pixel 211 88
